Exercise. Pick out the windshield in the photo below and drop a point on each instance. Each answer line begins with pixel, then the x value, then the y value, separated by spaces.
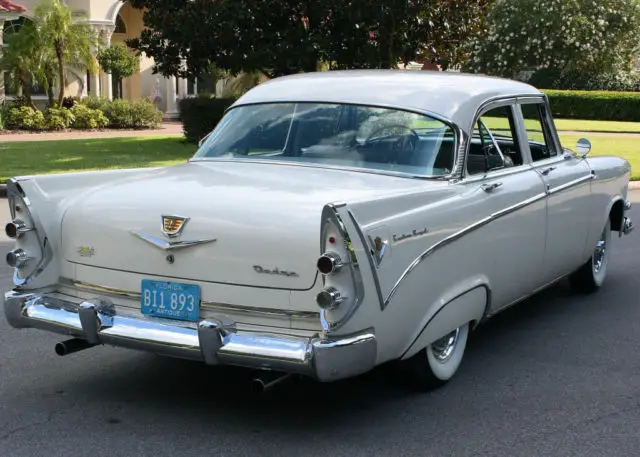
pixel 335 135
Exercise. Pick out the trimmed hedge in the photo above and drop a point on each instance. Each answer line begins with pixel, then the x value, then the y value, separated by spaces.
pixel 595 105
pixel 200 115
pixel 579 80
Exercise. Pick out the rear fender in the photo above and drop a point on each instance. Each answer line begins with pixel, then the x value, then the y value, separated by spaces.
pixel 469 307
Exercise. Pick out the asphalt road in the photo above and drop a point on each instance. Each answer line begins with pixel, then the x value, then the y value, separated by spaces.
pixel 558 375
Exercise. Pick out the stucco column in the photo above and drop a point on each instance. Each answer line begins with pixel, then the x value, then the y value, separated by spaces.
pixel 95 84
pixel 106 32
pixel 183 86
pixel 172 106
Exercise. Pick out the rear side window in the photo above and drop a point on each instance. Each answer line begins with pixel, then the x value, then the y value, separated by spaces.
pixel 538 132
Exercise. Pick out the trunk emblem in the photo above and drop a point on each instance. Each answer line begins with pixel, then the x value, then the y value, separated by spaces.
pixel 172 225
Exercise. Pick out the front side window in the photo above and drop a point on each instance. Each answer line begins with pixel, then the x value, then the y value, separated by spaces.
pixel 336 135
pixel 494 143
pixel 540 140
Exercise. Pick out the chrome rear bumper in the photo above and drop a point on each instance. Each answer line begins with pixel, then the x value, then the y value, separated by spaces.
pixel 211 341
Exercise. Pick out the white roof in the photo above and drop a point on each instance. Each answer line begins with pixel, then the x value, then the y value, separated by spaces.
pixel 453 96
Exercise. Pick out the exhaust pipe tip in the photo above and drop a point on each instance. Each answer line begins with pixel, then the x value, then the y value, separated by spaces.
pixel 267 380
pixel 70 346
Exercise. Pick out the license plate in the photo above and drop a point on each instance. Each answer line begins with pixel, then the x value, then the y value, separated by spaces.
pixel 171 300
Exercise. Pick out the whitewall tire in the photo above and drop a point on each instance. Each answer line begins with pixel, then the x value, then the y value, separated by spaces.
pixel 436 364
pixel 590 276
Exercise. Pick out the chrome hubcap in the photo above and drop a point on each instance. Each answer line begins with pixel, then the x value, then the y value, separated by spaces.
pixel 442 349
pixel 599 254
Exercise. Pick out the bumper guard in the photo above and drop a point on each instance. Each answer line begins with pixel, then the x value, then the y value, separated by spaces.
pixel 211 341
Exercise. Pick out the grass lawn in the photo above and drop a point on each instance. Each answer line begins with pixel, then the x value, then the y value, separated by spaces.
pixel 25 158
pixel 35 157
pixel 597 126
pixel 618 145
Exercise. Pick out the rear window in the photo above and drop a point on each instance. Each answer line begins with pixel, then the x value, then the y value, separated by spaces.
pixel 336 135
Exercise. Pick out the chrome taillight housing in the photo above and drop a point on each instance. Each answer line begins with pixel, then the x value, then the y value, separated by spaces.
pixel 342 281
pixel 329 298
pixel 32 252
pixel 15 229
pixel 329 263
pixel 17 258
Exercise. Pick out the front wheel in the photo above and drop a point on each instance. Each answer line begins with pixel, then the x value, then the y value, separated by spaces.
pixel 590 276
pixel 436 364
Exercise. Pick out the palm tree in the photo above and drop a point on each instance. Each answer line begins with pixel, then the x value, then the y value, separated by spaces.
pixel 71 37
pixel 21 58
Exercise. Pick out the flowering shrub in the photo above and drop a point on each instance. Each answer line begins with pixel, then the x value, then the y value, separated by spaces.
pixel 600 36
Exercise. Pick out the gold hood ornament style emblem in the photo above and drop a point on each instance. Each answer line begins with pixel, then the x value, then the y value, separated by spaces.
pixel 172 227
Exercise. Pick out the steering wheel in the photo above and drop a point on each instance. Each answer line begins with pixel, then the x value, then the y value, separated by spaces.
pixel 403 143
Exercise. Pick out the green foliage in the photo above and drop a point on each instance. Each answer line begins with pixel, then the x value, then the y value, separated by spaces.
pixel 118 61
pixel 22 57
pixel 133 115
pixel 94 102
pixel 287 36
pixel 24 118
pixel 200 115
pixel 87 118
pixel 68 36
pixel 595 105
pixel 3 116
pixel 597 36
pixel 58 118
pixel 547 78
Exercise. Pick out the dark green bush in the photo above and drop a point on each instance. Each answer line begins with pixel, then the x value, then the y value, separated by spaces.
pixel 547 78
pixel 24 118
pixel 200 115
pixel 87 118
pixel 595 105
pixel 94 102
pixel 125 114
pixel 58 119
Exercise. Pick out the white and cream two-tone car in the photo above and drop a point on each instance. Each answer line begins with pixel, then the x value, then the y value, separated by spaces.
pixel 331 222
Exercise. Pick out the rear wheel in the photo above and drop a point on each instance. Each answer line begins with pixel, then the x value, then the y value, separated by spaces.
pixel 590 276
pixel 436 364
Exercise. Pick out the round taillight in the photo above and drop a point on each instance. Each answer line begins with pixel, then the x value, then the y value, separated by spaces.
pixel 14 229
pixel 329 263
pixel 17 258
pixel 329 298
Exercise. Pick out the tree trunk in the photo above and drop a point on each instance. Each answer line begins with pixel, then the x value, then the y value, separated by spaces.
pixel 26 89
pixel 60 56
pixel 50 96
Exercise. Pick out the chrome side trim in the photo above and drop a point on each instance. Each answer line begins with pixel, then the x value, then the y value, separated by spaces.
pixel 221 307
pixel 457 235
pixel 370 258
pixel 570 184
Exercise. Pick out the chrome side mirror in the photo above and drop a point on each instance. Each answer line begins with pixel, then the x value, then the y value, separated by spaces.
pixel 583 147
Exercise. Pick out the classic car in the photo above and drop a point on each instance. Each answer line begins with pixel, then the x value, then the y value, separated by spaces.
pixel 330 223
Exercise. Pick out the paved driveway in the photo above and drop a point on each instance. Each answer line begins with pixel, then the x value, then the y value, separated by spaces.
pixel 559 375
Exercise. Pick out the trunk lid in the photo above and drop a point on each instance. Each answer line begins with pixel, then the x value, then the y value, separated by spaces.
pixel 265 220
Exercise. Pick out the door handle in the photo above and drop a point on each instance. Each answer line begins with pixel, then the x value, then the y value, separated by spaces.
pixel 546 171
pixel 491 187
